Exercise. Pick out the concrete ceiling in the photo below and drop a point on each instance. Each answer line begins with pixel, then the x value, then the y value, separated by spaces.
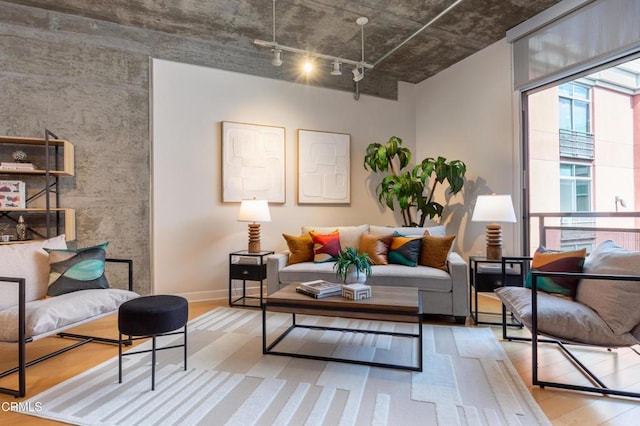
pixel 324 26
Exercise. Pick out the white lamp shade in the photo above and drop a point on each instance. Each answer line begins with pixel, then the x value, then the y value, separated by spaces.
pixel 254 211
pixel 494 208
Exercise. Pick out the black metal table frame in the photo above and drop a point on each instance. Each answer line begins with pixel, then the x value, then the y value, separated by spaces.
pixel 268 349
pixel 241 301
pixel 474 313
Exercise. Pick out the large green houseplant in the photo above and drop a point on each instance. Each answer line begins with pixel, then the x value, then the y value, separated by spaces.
pixel 412 190
pixel 352 267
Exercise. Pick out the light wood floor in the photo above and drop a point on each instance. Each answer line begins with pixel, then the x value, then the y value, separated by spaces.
pixel 562 407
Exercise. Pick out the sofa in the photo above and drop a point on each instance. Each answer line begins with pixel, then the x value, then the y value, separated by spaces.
pixel 443 289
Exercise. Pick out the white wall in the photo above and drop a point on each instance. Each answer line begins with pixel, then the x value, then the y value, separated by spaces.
pixel 193 231
pixel 467 113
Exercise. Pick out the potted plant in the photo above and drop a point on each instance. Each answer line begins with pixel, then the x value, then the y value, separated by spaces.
pixel 352 267
pixel 412 190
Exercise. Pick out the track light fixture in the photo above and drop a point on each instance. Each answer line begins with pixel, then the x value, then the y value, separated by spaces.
pixel 336 62
pixel 277 57
pixel 336 68
pixel 357 74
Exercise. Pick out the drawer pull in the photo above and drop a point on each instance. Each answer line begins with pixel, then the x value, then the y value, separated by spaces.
pixel 245 272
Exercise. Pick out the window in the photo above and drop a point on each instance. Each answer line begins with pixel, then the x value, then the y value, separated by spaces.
pixel 575 187
pixel 575 107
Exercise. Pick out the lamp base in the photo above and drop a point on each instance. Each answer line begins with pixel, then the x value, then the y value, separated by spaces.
pixel 494 241
pixel 254 238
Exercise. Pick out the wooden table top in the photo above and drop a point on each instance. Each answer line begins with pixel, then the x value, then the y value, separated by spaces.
pixel 383 299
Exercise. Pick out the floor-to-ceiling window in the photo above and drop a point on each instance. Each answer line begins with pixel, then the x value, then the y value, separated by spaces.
pixel 583 153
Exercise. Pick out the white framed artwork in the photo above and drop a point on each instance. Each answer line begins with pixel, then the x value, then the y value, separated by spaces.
pixel 323 167
pixel 253 162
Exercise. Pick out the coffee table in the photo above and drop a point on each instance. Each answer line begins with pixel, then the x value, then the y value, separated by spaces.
pixel 400 304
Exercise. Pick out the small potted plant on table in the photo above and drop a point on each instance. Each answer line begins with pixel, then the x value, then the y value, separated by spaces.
pixel 352 267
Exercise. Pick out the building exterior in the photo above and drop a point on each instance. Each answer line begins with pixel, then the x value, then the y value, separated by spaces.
pixel 584 156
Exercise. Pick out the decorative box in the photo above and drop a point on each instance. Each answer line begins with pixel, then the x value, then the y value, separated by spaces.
pixel 356 291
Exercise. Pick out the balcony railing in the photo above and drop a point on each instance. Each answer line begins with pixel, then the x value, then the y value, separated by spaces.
pixel 576 144
pixel 584 229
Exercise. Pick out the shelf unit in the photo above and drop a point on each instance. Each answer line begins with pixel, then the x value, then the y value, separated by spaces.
pixel 58 158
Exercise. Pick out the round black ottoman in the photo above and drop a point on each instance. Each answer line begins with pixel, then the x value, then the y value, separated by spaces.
pixel 152 316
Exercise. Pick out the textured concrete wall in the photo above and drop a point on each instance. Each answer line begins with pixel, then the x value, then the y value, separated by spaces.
pixel 88 83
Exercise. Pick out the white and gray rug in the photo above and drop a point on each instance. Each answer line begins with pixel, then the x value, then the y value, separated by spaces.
pixel 467 380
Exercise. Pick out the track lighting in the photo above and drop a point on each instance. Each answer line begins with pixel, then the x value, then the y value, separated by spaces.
pixel 277 57
pixel 337 65
pixel 357 74
pixel 336 62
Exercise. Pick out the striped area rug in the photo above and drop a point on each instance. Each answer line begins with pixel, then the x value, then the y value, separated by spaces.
pixel 467 379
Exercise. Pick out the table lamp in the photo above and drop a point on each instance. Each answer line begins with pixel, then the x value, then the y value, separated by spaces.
pixel 254 211
pixel 494 208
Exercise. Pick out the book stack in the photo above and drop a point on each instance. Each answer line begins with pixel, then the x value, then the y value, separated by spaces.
pixel 16 166
pixel 319 289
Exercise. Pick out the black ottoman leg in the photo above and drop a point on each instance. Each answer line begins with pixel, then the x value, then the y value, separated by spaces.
pixel 185 347
pixel 119 357
pixel 153 363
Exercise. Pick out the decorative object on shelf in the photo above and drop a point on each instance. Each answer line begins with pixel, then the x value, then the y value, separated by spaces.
pixel 352 267
pixel 12 194
pixel 323 167
pixel 493 209
pixel 5 238
pixel 254 211
pixel 356 291
pixel 19 156
pixel 413 191
pixel 21 229
pixel 253 162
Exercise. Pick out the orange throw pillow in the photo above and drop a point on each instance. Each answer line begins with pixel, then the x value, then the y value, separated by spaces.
pixel 376 247
pixel 435 251
pixel 300 248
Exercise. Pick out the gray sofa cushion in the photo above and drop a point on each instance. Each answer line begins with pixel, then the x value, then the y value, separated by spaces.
pixel 615 301
pixel 562 318
pixel 421 277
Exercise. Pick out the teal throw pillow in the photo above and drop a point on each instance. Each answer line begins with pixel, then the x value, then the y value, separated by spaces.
pixel 73 270
pixel 405 250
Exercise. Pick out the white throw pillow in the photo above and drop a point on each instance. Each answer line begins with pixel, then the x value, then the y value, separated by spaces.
pixel 28 261
pixel 616 302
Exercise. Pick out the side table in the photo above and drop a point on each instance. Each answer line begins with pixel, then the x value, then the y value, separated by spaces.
pixel 245 266
pixel 485 275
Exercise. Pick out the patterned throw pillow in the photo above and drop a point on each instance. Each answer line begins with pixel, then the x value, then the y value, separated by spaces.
pixel 300 248
pixel 376 247
pixel 562 261
pixel 73 270
pixel 325 246
pixel 405 250
pixel 435 251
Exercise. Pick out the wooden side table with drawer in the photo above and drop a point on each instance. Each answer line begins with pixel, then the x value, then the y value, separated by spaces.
pixel 245 266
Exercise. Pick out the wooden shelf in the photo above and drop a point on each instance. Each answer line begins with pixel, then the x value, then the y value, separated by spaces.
pixel 69 220
pixel 68 162
pixel 57 158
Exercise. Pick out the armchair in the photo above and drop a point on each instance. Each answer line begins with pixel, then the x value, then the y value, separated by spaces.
pixel 563 321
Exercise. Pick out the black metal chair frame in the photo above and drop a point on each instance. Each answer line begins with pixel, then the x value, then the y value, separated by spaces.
pixel 598 385
pixel 23 340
